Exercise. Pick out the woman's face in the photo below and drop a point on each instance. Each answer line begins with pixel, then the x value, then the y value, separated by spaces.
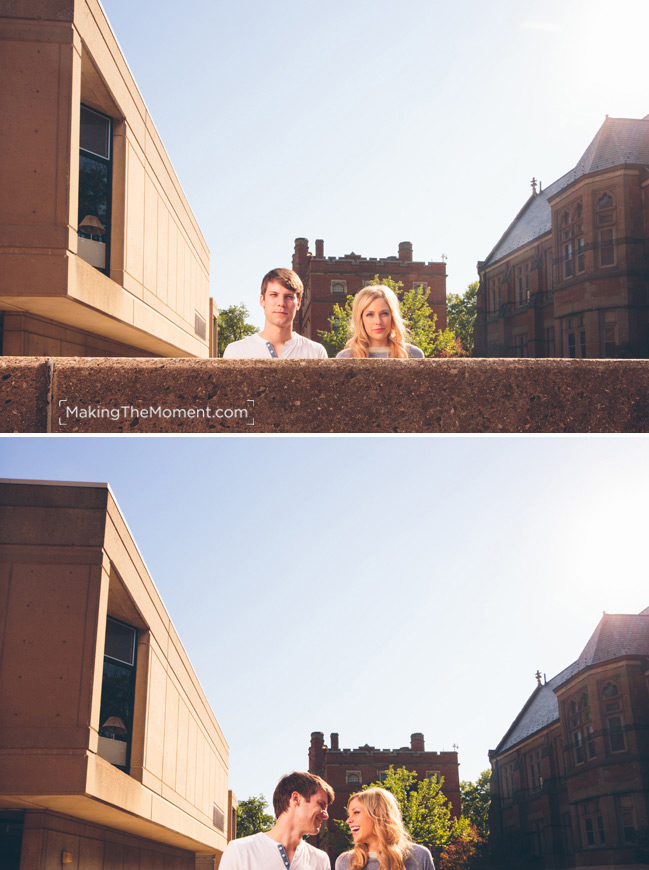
pixel 377 321
pixel 361 825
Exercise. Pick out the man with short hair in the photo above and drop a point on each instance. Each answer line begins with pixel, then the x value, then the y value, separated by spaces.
pixel 281 297
pixel 300 802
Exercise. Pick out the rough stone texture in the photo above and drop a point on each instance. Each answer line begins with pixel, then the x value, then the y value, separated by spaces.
pixel 23 394
pixel 475 395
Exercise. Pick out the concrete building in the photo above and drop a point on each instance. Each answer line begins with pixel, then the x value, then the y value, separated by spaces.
pixel 110 755
pixel 570 275
pixel 100 254
pixel 570 778
pixel 331 280
pixel 348 770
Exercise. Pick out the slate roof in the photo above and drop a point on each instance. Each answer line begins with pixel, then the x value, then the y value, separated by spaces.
pixel 618 141
pixel 616 635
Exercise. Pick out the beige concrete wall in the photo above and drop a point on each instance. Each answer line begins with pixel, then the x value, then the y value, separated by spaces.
pixel 57 55
pixel 29 335
pixel 92 847
pixel 67 561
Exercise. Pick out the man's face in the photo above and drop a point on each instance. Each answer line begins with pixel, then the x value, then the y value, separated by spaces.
pixel 280 304
pixel 313 812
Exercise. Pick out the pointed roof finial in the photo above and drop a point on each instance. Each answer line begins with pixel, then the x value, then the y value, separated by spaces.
pixel 533 183
pixel 538 678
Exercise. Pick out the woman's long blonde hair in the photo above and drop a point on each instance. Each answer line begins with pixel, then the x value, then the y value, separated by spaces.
pixel 359 343
pixel 393 839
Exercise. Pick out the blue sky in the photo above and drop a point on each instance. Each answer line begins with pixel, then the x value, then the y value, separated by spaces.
pixel 373 587
pixel 369 122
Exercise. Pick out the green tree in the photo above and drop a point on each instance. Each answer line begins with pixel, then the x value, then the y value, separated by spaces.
pixel 476 797
pixel 251 818
pixel 340 319
pixel 335 838
pixel 232 326
pixel 426 811
pixel 417 315
pixel 461 312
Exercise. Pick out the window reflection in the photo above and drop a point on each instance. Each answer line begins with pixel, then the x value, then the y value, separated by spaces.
pixel 94 188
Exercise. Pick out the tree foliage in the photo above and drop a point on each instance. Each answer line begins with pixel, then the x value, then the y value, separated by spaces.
pixel 476 797
pixel 465 849
pixel 461 313
pixel 425 809
pixel 252 818
pixel 232 326
pixel 419 318
pixel 338 335
pixel 336 837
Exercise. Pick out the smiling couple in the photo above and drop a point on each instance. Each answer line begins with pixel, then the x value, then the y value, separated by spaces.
pixel 301 802
pixel 377 330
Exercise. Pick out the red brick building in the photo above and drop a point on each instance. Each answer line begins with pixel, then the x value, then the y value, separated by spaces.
pixel 570 778
pixel 348 770
pixel 328 280
pixel 570 275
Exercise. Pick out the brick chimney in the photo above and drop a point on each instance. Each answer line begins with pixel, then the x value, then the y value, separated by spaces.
pixel 333 742
pixel 405 252
pixel 317 753
pixel 417 742
pixel 319 249
pixel 301 253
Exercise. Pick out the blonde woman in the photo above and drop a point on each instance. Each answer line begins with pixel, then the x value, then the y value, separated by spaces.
pixel 377 328
pixel 380 839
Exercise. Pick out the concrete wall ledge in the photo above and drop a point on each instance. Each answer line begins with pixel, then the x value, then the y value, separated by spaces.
pixel 105 395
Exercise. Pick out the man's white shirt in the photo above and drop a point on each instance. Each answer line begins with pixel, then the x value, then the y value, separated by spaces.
pixel 256 347
pixel 259 852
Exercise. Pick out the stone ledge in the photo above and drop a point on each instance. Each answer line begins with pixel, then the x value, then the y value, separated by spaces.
pixel 24 384
pixel 323 396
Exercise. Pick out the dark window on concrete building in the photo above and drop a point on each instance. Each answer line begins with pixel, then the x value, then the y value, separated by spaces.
pixel 572 346
pixel 508 781
pixel 95 178
pixel 537 836
pixel 609 340
pixel 549 341
pixel 616 742
pixel 117 692
pixel 626 819
pixel 520 345
pixel 534 770
pixel 607 247
pixel 567 261
pixel 592 823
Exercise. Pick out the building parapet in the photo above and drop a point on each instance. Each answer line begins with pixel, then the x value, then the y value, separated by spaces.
pixel 368 396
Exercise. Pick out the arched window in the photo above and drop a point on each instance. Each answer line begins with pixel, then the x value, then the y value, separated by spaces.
pixel 338 287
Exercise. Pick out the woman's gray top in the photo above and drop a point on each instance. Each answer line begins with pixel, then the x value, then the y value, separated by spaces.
pixel 419 858
pixel 382 352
